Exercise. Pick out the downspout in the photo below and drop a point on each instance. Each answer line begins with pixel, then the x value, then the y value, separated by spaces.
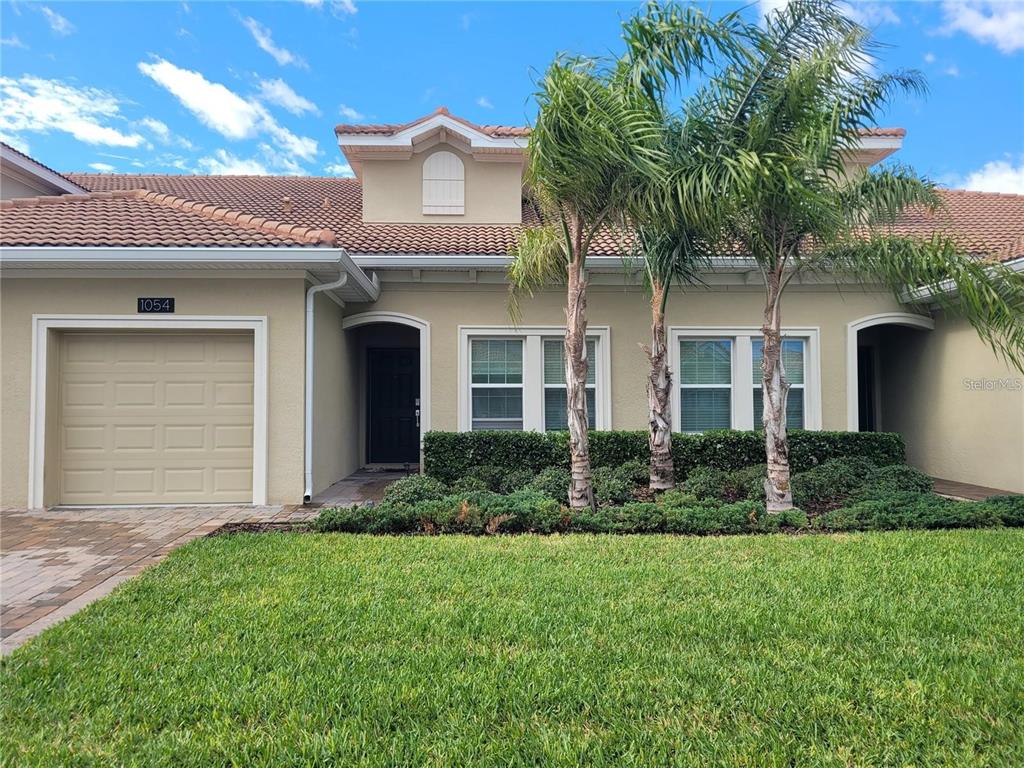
pixel 307 495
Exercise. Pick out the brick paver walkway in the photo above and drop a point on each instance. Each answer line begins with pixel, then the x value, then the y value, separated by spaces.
pixel 54 562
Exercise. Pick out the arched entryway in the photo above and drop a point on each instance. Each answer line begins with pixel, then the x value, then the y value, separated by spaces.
pixel 868 341
pixel 393 351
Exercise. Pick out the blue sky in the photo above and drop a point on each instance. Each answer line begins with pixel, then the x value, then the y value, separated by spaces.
pixel 254 87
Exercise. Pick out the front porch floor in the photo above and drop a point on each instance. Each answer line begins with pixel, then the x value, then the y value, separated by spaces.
pixel 958 490
pixel 362 485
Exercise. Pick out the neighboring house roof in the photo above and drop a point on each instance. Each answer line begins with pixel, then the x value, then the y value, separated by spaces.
pixel 139 218
pixel 16 159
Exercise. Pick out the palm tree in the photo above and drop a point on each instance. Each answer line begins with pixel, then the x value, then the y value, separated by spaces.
pixel 771 136
pixel 595 137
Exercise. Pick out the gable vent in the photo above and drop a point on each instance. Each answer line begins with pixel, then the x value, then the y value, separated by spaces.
pixel 444 184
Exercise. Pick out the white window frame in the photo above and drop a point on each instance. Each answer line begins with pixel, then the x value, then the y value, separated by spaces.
pixel 533 371
pixel 521 386
pixel 742 369
pixel 677 407
pixel 756 384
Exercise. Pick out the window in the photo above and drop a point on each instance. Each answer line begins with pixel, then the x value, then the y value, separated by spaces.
pixel 444 184
pixel 793 363
pixel 555 402
pixel 514 378
pixel 705 378
pixel 718 384
pixel 496 380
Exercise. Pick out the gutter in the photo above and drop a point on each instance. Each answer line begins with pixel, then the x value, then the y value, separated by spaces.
pixel 307 494
pixel 925 293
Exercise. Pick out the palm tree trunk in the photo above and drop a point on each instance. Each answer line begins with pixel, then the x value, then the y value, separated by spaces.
pixel 659 397
pixel 775 390
pixel 581 491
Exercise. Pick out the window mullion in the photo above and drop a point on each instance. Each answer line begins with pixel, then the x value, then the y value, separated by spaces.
pixel 533 383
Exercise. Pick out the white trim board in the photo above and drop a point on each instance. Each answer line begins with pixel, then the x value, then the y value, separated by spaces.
pixel 905 319
pixel 742 405
pixel 533 380
pixel 423 326
pixel 43 324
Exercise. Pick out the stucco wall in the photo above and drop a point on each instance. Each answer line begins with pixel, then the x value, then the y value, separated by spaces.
pixel 280 299
pixel 626 312
pixel 393 190
pixel 942 390
pixel 335 397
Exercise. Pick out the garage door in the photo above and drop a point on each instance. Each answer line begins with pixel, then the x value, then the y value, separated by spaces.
pixel 156 418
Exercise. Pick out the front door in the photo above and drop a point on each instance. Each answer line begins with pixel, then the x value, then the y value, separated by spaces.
pixel 393 392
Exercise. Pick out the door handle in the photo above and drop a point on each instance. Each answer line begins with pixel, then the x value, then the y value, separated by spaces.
pixel 417 417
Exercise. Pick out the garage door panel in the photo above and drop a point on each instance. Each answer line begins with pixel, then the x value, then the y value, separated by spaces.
pixel 156 418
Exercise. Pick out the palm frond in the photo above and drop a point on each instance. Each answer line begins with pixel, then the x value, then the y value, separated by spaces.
pixel 539 259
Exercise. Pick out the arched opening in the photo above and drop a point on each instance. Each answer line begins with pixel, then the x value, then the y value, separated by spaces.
pixel 444 184
pixel 393 354
pixel 870 341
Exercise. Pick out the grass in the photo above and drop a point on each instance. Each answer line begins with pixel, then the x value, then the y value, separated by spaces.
pixel 867 649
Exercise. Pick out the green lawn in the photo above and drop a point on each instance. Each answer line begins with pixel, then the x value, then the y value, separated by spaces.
pixel 865 649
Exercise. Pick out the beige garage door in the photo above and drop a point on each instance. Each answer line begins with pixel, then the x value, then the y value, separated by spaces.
pixel 156 418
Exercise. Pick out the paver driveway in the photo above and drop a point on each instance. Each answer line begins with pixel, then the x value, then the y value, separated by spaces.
pixel 54 562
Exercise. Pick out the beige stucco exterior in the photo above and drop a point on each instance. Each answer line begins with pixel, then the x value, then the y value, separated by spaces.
pixel 393 189
pixel 280 299
pixel 959 407
pixel 624 310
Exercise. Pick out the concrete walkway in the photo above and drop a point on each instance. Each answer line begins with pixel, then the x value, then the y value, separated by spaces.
pixel 364 485
pixel 54 562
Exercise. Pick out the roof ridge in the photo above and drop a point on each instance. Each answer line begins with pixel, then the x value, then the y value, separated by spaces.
pixel 1011 195
pixel 241 219
pixel 24 202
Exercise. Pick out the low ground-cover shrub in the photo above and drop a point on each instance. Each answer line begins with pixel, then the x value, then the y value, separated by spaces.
pixel 828 485
pixel 909 510
pixel 449 456
pixel 884 482
pixel 414 489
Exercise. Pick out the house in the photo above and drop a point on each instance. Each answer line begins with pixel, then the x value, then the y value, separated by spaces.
pixel 194 339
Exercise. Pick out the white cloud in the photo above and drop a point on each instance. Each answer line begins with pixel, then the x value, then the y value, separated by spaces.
pixel 952 70
pixel 997 23
pixel 35 105
pixel 771 6
pixel 12 42
pixel 350 114
pixel 484 102
pixel 163 134
pixel 339 169
pixel 18 142
pixel 264 39
pixel 998 176
pixel 344 7
pixel 929 58
pixel 58 23
pixel 102 167
pixel 223 163
pixel 870 14
pixel 278 92
pixel 225 111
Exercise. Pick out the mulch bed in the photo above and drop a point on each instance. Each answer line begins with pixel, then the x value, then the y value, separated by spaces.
pixel 229 529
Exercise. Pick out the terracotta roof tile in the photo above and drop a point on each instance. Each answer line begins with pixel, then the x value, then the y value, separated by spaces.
pixel 389 129
pixel 983 222
pixel 137 217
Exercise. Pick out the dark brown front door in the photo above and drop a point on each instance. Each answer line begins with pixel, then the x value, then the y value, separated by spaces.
pixel 393 392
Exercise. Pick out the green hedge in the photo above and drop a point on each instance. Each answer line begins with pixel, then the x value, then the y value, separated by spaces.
pixel 448 456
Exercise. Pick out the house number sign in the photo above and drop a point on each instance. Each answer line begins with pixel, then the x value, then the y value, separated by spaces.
pixel 159 305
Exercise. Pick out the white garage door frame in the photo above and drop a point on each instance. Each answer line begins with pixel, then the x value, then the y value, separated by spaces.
pixel 43 324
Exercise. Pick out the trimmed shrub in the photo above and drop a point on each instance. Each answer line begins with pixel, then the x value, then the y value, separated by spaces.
pixel 828 485
pixel 414 489
pixel 1010 509
pixel 888 481
pixel 552 482
pixel 610 487
pixel 634 517
pixel 516 480
pixel 747 483
pixel 449 455
pixel 791 519
pixel 491 476
pixel 634 472
pixel 709 518
pixel 468 484
pixel 909 510
pixel 706 483
pixel 370 518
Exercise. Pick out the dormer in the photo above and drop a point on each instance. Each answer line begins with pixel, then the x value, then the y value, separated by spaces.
pixel 439 169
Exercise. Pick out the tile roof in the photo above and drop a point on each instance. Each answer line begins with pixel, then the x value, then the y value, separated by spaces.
pixel 389 129
pixel 137 217
pixel 983 222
